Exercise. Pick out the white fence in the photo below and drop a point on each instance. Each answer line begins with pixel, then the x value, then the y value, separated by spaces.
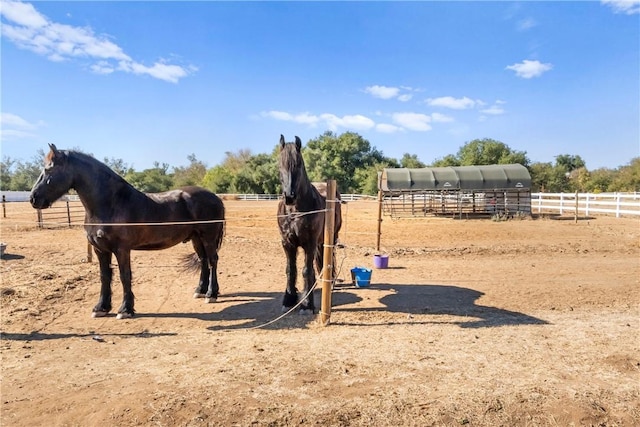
pixel 618 204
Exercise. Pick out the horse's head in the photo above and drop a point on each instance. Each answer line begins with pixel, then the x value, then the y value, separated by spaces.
pixel 53 182
pixel 292 171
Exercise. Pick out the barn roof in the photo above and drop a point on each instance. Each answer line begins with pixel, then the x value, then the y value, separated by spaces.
pixel 487 177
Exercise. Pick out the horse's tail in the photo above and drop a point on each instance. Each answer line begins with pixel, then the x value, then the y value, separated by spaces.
pixel 220 235
pixel 191 263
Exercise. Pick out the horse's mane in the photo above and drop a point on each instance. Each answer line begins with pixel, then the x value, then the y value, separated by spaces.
pixel 99 167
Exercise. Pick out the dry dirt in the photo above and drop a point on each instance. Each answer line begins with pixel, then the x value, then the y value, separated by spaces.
pixel 531 322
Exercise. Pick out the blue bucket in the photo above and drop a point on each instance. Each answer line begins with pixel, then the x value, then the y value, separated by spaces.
pixel 361 276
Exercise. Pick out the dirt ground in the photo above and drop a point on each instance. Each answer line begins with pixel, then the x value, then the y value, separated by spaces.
pixel 531 322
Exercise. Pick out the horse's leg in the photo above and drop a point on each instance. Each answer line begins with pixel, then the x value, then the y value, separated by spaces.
pixel 291 293
pixel 319 258
pixel 308 275
pixel 106 274
pixel 126 310
pixel 212 291
pixel 203 282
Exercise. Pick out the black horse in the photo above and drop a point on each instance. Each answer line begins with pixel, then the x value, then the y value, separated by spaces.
pixel 301 223
pixel 120 219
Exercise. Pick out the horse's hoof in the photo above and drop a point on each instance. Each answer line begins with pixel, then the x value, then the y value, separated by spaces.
pixel 210 300
pixel 96 314
pixel 285 309
pixel 198 295
pixel 124 316
pixel 306 311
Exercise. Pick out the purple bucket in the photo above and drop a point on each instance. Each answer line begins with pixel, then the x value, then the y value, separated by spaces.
pixel 381 261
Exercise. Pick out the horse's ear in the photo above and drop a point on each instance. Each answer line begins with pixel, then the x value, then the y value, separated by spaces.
pixel 282 141
pixel 54 155
pixel 298 143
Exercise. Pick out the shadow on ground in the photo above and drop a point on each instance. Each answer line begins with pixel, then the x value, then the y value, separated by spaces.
pixel 446 300
pixel 253 310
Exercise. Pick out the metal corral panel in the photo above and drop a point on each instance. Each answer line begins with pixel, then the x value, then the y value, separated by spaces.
pixel 488 177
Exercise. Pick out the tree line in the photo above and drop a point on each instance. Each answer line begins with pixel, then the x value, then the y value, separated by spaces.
pixel 349 159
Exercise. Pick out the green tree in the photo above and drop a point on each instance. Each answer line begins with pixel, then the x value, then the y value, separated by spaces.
pixel 189 175
pixel 338 157
pixel 259 175
pixel 25 174
pixel 411 161
pixel 600 180
pixel 628 177
pixel 218 179
pixel 489 152
pixel 548 178
pixel 367 178
pixel 6 167
pixel 118 166
pixel 448 160
pixel 569 162
pixel 151 180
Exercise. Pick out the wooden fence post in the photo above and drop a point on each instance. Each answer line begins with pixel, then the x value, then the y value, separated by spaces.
pixel 68 214
pixel 4 206
pixel 379 220
pixel 329 245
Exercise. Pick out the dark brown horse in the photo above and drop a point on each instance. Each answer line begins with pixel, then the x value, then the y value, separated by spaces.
pixel 120 219
pixel 301 223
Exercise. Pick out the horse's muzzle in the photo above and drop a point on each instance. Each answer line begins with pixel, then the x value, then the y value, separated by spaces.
pixel 288 200
pixel 39 203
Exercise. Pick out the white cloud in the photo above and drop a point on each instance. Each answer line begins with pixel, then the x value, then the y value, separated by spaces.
pixel 357 121
pixel 451 102
pixel 627 7
pixel 494 110
pixel 28 29
pixel 102 67
pixel 390 92
pixel 333 122
pixel 15 127
pixel 440 118
pixel 382 92
pixel 413 121
pixel 401 121
pixel 23 14
pixel 388 128
pixel 528 69
pixel 13 120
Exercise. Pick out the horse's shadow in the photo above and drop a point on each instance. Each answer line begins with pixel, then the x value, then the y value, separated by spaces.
pixel 252 310
pixel 446 300
pixel 263 310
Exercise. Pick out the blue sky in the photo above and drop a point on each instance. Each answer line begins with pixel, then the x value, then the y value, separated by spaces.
pixel 159 81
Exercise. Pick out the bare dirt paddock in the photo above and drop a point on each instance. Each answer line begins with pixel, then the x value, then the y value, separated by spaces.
pixel 475 322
